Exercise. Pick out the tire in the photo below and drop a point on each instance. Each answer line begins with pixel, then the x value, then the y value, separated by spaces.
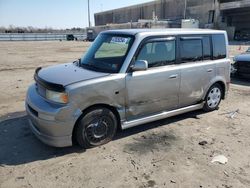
pixel 97 127
pixel 213 98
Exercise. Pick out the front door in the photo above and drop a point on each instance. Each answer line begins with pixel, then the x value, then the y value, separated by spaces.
pixel 156 89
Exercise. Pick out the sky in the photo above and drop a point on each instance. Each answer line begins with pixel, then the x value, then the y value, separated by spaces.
pixel 58 14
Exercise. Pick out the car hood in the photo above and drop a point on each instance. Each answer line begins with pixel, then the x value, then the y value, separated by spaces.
pixel 242 57
pixel 66 74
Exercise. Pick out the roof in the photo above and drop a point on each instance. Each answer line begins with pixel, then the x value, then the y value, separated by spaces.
pixel 163 31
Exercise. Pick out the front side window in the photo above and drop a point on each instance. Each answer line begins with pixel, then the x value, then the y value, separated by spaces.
pixel 159 53
pixel 190 50
pixel 107 53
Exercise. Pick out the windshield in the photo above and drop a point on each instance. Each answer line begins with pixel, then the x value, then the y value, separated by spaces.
pixel 107 53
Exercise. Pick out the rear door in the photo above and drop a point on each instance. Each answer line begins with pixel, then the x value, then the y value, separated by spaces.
pixel 156 89
pixel 197 68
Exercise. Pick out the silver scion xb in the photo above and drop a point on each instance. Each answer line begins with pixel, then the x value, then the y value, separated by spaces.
pixel 128 78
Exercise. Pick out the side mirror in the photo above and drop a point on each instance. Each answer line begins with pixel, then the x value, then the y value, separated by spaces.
pixel 140 65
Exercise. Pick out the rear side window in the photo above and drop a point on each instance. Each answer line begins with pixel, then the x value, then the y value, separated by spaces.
pixel 219 46
pixel 206 48
pixel 190 50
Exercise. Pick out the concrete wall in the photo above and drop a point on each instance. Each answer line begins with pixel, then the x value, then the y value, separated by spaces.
pixel 199 9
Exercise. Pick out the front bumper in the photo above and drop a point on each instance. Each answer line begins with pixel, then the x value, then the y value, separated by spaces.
pixel 64 141
pixel 51 123
pixel 242 69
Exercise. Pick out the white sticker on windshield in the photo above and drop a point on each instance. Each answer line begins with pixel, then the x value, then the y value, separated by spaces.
pixel 119 40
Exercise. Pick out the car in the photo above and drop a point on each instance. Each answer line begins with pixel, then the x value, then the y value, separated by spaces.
pixel 241 67
pixel 70 37
pixel 128 78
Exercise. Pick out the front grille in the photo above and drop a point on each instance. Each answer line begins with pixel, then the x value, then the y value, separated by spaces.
pixel 34 112
pixel 243 67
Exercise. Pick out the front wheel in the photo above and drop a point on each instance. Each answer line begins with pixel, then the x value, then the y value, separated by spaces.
pixel 97 127
pixel 213 98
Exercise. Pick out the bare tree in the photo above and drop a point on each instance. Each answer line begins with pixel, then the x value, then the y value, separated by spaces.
pixel 31 29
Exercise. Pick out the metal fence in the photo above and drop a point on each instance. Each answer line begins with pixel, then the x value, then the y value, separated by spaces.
pixel 38 36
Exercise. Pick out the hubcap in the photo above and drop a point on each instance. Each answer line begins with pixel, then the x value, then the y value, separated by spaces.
pixel 98 129
pixel 214 97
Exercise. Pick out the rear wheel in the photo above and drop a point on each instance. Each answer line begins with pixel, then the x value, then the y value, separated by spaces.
pixel 97 127
pixel 213 98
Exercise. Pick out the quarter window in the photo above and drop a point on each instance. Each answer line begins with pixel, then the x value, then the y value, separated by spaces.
pixel 190 50
pixel 219 46
pixel 158 54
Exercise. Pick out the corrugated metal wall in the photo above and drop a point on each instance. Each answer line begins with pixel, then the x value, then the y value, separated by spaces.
pixel 206 11
pixel 174 9
pixel 164 9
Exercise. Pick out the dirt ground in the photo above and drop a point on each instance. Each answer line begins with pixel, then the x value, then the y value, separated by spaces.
pixel 165 153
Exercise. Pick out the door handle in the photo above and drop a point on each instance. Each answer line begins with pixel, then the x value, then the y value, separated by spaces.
pixel 209 70
pixel 173 76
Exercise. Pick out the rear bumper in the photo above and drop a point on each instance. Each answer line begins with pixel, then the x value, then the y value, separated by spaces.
pixel 51 123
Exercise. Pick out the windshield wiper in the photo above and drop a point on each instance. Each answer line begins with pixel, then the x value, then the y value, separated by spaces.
pixel 77 62
pixel 86 65
pixel 89 66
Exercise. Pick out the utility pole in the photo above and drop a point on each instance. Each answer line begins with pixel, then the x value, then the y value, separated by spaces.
pixel 185 9
pixel 89 14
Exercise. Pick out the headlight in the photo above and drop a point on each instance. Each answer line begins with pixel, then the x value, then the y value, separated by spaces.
pixel 57 96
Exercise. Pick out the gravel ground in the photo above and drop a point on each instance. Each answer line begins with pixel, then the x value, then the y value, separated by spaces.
pixel 165 153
